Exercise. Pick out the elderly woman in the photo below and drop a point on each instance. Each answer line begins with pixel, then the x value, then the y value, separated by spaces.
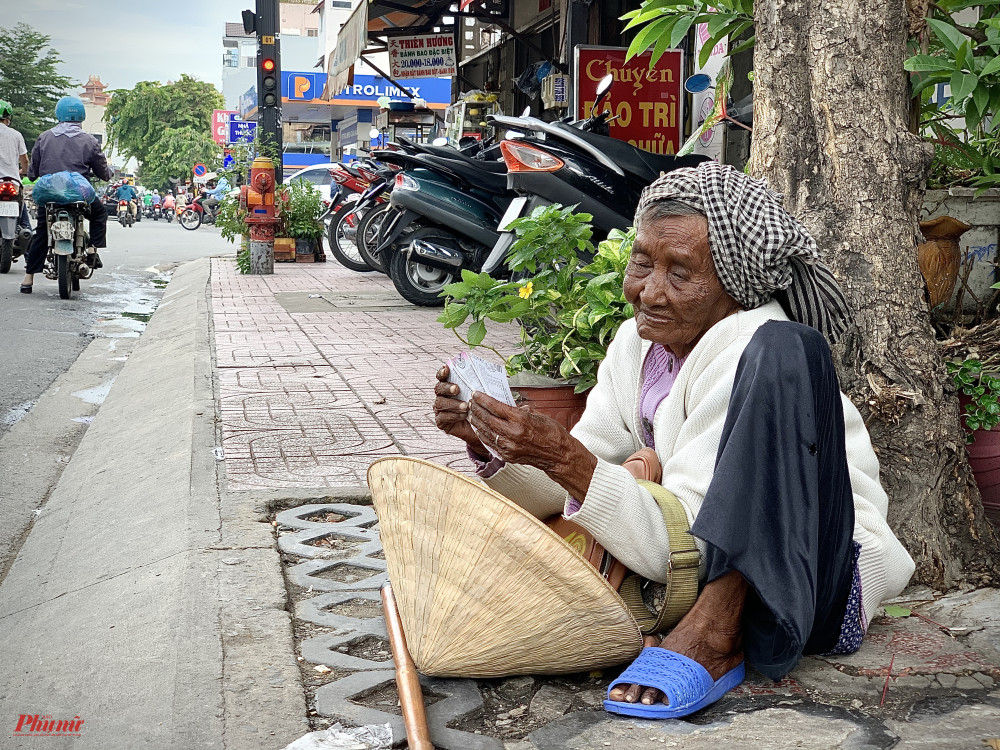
pixel 726 374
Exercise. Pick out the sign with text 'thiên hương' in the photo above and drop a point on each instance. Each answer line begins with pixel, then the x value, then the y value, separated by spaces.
pixel 648 102
pixel 422 56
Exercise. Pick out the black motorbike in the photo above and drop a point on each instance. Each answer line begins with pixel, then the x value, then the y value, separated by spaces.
pixel 575 164
pixel 442 217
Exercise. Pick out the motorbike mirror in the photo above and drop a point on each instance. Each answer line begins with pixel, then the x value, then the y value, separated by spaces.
pixel 439 142
pixel 697 83
pixel 374 133
pixel 604 86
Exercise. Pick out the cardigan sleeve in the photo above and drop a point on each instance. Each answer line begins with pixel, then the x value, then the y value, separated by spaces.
pixel 884 565
pixel 603 429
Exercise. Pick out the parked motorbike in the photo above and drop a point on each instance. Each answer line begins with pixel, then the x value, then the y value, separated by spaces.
pixel 444 210
pixel 125 217
pixel 13 239
pixel 67 261
pixel 195 214
pixel 575 164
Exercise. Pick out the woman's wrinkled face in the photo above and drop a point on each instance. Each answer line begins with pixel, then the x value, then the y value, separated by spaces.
pixel 671 282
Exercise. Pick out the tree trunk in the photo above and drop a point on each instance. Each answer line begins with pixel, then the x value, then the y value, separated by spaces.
pixel 831 132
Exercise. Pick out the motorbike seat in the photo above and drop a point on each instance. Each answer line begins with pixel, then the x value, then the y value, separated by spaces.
pixel 485 175
pixel 644 165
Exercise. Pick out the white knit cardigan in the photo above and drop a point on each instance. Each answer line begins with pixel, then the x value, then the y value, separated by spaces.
pixel 687 429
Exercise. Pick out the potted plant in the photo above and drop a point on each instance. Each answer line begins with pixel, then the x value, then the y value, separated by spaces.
pixel 979 395
pixel 300 206
pixel 568 314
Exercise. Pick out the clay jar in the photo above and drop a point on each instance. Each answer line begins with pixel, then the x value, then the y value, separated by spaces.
pixel 939 256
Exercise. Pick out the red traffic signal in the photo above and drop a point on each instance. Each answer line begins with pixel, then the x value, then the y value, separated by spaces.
pixel 267 64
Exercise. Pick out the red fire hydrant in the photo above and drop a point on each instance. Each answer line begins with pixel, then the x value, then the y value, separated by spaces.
pixel 257 199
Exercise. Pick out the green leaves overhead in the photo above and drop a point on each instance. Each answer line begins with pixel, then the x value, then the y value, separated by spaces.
pixel 29 80
pixel 153 122
pixel 663 24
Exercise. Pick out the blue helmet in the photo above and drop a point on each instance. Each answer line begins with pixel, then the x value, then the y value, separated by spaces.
pixel 70 109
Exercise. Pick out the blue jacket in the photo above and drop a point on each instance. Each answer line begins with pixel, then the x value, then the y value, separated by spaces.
pixel 126 193
pixel 221 189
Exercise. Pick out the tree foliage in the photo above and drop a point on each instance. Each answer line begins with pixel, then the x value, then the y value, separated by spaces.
pixel 165 127
pixel 29 80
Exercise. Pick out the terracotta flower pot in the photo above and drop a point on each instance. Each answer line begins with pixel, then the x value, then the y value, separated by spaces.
pixel 940 256
pixel 984 460
pixel 558 402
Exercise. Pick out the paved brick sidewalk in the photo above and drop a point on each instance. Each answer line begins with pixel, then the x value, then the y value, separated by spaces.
pixel 315 388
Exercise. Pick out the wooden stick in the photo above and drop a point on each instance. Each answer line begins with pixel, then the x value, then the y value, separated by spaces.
pixel 411 699
pixel 888 676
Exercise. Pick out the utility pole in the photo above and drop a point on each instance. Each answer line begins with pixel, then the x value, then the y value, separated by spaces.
pixel 265 23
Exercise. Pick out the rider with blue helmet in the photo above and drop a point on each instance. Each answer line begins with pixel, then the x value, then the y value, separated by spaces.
pixel 67 148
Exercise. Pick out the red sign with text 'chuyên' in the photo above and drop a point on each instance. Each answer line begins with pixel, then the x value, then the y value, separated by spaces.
pixel 648 102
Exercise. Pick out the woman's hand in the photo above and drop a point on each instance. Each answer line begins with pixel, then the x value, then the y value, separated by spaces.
pixel 522 436
pixel 451 415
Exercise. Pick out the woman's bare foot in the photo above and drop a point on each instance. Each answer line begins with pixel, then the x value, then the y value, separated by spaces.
pixel 710 634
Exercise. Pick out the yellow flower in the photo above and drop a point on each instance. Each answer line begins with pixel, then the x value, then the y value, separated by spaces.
pixel 525 291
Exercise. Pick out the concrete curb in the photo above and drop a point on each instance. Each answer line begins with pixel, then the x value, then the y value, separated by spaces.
pixel 144 600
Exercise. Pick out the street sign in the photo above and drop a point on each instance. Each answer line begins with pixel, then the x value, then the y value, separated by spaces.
pixel 220 124
pixel 200 170
pixel 647 102
pixel 241 131
pixel 228 162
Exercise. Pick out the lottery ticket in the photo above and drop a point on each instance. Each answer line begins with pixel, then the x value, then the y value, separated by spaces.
pixel 493 378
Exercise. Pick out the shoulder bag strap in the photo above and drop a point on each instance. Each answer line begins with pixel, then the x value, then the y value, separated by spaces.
pixel 682 568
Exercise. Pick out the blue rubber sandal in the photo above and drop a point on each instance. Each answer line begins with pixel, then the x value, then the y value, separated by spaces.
pixel 688 685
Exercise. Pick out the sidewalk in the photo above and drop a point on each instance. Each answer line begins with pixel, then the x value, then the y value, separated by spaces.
pixel 175 596
pixel 322 370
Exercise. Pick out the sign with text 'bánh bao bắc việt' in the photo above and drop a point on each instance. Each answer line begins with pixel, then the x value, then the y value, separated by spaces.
pixel 647 102
pixel 422 56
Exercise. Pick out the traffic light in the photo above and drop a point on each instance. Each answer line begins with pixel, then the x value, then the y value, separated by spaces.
pixel 269 83
pixel 265 24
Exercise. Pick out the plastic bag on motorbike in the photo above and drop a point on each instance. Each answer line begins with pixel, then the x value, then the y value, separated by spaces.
pixel 63 187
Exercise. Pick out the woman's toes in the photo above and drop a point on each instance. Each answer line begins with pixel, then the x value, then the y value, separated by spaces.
pixel 617 694
pixel 633 693
pixel 651 696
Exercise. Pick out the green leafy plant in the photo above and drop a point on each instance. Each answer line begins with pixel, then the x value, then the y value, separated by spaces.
pixel 982 412
pixel 243 259
pixel 568 314
pixel 231 218
pixel 665 23
pixel 300 205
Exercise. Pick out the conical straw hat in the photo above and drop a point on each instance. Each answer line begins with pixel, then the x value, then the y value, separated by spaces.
pixel 483 588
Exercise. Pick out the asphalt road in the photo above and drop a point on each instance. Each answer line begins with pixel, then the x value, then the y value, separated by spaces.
pixel 43 335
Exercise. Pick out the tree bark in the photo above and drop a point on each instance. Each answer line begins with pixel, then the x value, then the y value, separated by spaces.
pixel 831 132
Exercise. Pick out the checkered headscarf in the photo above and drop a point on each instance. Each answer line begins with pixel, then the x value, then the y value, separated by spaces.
pixel 759 249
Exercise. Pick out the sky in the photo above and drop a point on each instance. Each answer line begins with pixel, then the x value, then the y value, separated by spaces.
pixel 126 42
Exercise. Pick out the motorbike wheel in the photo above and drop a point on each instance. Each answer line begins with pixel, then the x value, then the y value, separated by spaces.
pixel 190 219
pixel 369 233
pixel 63 276
pixel 6 255
pixel 416 282
pixel 342 246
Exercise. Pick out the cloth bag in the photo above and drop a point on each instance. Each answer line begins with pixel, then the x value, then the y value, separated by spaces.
pixel 682 571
